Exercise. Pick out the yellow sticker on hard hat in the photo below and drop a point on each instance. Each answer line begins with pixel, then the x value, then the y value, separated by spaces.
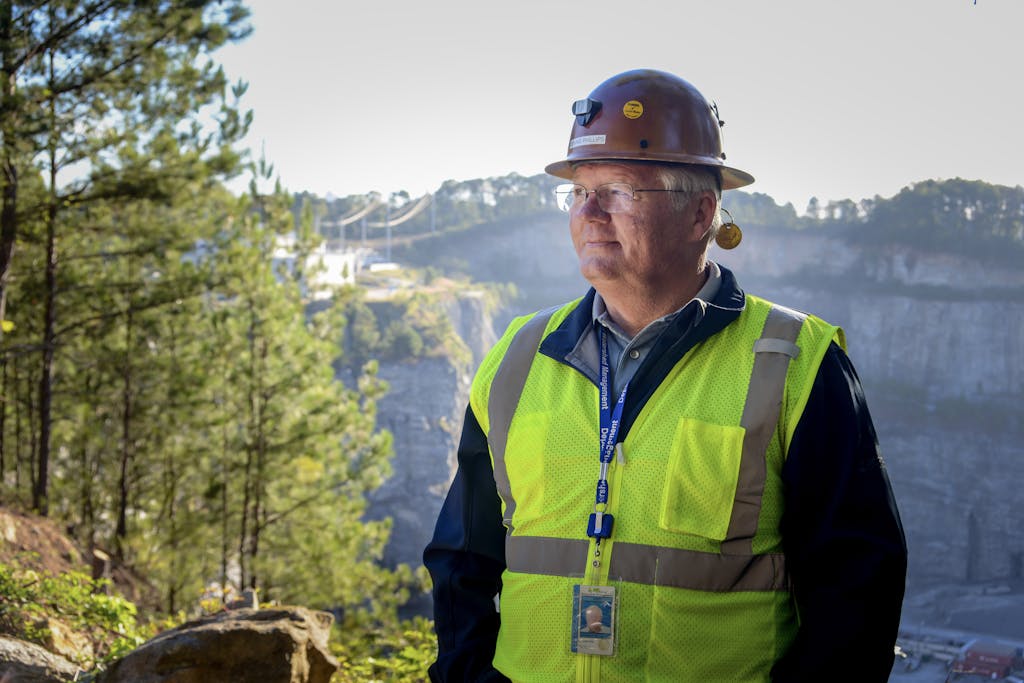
pixel 633 109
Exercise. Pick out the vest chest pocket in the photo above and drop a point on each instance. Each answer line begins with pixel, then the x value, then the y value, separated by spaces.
pixel 701 479
pixel 552 468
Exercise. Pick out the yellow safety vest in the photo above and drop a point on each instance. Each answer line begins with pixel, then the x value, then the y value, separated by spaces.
pixel 696 554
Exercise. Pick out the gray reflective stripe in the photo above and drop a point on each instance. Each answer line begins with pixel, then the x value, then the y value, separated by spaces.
pixel 506 388
pixel 550 556
pixel 761 410
pixel 776 346
pixel 650 565
pixel 695 570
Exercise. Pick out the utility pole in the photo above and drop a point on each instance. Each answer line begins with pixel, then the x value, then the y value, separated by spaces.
pixel 387 225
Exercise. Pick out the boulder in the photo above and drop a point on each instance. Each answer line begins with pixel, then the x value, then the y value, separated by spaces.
pixel 277 645
pixel 22 662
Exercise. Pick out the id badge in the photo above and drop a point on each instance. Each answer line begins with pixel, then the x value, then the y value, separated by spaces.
pixel 594 615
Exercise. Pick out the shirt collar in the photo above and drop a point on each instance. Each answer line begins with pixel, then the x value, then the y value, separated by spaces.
pixel 706 294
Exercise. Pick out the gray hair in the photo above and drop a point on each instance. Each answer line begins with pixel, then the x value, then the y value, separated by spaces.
pixel 691 181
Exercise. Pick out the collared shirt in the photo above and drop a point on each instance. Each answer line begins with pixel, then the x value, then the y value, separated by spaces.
pixel 627 354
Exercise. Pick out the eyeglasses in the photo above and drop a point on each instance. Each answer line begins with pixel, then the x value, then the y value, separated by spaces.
pixel 611 197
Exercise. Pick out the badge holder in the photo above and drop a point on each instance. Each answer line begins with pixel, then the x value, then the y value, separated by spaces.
pixel 595 612
pixel 595 608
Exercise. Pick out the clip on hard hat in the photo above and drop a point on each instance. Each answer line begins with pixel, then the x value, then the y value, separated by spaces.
pixel 718 117
pixel 585 110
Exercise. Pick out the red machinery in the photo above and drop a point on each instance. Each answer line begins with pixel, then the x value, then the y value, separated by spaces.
pixel 988 658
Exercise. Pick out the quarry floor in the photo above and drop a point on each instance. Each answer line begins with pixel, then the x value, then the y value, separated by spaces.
pixel 958 613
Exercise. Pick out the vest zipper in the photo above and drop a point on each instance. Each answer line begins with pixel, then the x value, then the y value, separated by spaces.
pixel 588 669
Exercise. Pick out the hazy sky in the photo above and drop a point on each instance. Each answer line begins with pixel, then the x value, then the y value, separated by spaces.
pixel 835 100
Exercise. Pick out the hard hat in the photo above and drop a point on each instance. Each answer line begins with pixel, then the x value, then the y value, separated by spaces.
pixel 648 115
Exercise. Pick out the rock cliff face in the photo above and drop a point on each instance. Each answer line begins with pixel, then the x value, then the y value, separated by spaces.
pixel 423 410
pixel 938 341
pixel 944 383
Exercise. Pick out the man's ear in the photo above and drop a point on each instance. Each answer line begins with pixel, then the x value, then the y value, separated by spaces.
pixel 703 207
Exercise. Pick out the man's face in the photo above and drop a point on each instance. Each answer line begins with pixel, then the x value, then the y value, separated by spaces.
pixel 647 246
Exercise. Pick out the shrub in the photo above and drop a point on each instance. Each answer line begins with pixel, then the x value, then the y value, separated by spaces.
pixel 29 598
pixel 398 653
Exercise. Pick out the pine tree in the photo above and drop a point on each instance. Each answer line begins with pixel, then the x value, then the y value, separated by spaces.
pixel 108 98
pixel 289 452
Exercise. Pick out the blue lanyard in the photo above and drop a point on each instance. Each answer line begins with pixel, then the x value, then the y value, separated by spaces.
pixel 600 524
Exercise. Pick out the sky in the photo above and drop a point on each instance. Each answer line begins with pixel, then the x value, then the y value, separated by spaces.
pixel 825 99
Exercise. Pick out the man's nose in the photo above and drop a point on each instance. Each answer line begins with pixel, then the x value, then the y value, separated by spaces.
pixel 591 208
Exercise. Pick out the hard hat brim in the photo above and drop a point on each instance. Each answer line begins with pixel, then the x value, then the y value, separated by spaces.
pixel 732 178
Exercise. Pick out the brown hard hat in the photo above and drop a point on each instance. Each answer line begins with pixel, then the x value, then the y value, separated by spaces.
pixel 647 115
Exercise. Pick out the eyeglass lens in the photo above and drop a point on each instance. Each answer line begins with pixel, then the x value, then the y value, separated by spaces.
pixel 612 197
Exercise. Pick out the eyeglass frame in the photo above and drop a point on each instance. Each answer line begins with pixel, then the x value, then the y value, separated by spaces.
pixel 567 189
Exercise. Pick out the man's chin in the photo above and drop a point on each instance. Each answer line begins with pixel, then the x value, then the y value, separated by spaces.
pixel 598 272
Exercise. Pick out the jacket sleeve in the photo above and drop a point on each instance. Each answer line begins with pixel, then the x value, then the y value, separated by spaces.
pixel 842 536
pixel 466 558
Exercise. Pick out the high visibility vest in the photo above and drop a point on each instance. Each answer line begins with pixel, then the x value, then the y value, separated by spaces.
pixel 696 553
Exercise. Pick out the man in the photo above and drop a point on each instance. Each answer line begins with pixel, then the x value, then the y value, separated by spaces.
pixel 666 480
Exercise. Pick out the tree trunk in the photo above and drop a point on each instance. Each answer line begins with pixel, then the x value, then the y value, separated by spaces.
pixel 40 502
pixel 224 525
pixel 18 411
pixel 4 400
pixel 243 537
pixel 9 163
pixel 260 507
pixel 121 532
pixel 244 544
pixel 87 514
pixel 171 477
pixel 39 493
